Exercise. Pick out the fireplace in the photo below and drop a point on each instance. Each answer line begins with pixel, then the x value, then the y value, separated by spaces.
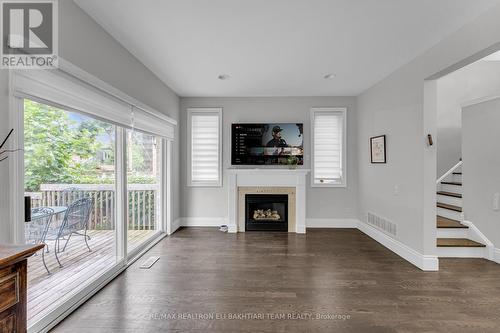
pixel 266 212
pixel 289 182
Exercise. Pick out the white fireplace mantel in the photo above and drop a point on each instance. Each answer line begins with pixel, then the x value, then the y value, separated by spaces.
pixel 240 177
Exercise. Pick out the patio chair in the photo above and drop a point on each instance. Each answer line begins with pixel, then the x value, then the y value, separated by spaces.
pixel 70 194
pixel 35 231
pixel 75 221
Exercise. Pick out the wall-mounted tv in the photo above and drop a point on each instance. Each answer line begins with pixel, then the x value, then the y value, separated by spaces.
pixel 267 144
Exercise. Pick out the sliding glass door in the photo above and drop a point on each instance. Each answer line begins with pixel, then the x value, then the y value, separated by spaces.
pixel 91 163
pixel 69 178
pixel 73 189
pixel 143 187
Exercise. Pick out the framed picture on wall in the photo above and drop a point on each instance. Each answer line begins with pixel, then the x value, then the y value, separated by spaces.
pixel 377 149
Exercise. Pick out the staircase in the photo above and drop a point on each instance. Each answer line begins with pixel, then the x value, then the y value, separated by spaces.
pixel 454 237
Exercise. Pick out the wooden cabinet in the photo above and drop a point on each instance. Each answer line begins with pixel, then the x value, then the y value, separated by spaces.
pixel 8 324
pixel 13 285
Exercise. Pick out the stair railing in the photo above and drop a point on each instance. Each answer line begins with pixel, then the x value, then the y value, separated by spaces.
pixel 449 172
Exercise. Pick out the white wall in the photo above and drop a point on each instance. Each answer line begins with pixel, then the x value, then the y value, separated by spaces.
pixel 85 44
pixel 395 106
pixel 481 168
pixel 5 230
pixel 475 81
pixel 324 203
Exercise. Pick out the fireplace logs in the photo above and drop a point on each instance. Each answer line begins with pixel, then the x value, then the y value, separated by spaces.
pixel 266 215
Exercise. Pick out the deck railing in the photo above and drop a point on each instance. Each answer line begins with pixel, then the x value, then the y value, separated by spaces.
pixel 141 203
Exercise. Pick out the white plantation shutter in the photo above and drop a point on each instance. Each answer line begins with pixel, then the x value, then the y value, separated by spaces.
pixel 205 147
pixel 328 147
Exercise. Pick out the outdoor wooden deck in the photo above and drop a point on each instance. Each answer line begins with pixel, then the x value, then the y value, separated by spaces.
pixel 79 265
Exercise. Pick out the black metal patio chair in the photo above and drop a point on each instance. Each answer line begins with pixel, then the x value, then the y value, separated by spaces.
pixel 75 223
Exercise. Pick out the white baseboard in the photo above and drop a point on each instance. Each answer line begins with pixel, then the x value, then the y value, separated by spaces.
pixel 424 262
pixel 496 256
pixel 310 223
pixel 202 221
pixel 331 223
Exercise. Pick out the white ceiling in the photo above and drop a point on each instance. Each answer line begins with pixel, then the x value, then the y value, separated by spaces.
pixel 279 47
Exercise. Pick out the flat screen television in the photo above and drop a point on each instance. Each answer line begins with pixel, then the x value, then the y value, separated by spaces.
pixel 267 144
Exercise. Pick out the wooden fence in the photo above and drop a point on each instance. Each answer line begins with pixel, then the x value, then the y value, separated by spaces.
pixel 142 205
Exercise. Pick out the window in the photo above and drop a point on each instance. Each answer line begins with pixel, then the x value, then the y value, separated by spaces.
pixel 329 147
pixel 204 147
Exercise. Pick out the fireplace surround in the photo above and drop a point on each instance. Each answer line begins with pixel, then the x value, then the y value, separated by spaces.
pixel 273 181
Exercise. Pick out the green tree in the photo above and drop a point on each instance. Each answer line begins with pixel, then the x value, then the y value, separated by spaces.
pixel 135 152
pixel 57 148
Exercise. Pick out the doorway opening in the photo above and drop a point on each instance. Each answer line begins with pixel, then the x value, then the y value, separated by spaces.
pixel 461 106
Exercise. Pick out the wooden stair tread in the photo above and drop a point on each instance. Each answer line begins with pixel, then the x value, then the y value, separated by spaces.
pixel 452 183
pixel 450 194
pixel 457 242
pixel 450 207
pixel 443 222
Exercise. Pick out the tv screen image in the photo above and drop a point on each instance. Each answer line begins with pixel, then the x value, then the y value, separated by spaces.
pixel 267 144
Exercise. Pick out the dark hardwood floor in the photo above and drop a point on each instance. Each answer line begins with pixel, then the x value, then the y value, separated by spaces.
pixel 354 282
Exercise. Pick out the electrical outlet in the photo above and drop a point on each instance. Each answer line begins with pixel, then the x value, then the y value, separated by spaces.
pixel 496 201
pixel 396 189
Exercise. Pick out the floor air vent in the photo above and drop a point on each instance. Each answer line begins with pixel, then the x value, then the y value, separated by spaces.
pixel 148 263
pixel 382 224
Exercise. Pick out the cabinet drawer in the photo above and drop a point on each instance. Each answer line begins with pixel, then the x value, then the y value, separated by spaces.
pixel 8 324
pixel 9 291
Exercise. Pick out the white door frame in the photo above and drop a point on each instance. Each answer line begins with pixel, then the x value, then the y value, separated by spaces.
pixel 16 169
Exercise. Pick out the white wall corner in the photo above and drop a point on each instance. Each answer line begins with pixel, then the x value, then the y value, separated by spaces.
pixel 300 229
pixel 232 228
pixel 476 235
pixel 331 223
pixel 430 263
pixel 232 214
pixel 176 224
pixel 424 262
